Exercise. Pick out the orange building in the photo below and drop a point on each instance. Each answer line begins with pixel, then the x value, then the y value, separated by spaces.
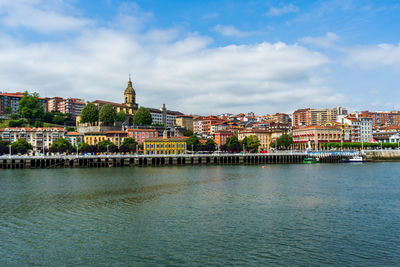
pixel 207 122
pixel 221 136
pixel 301 117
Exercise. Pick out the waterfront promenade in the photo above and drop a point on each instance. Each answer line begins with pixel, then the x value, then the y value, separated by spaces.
pixel 104 160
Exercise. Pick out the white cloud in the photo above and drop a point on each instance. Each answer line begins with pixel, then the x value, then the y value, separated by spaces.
pixel 278 11
pixel 187 73
pixel 371 57
pixel 231 31
pixel 327 41
pixel 39 15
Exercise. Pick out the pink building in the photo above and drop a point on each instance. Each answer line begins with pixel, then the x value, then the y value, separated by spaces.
pixel 142 134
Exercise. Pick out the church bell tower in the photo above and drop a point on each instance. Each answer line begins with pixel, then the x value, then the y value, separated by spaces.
pixel 130 95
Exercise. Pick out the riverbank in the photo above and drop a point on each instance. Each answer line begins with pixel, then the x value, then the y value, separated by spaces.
pixel 382 155
pixel 99 161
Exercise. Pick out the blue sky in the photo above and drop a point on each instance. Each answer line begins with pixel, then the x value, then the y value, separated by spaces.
pixel 205 56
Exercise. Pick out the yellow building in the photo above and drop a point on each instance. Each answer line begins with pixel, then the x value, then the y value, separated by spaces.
pixel 264 136
pixel 93 138
pixel 115 137
pixel 161 146
pixel 185 121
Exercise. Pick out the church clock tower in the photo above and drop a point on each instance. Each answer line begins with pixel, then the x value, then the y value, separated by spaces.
pixel 130 96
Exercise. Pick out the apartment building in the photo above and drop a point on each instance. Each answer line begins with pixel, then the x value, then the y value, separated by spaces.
pixel 315 135
pixel 39 138
pixel 9 102
pixel 142 134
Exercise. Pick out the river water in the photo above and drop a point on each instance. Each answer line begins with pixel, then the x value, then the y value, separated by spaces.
pixel 302 215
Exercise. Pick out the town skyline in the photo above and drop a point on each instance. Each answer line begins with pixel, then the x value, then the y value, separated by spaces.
pixel 232 57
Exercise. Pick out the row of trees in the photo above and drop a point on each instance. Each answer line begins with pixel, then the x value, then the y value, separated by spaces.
pixel 108 115
pixel 21 146
pixel 359 145
pixel 250 143
pixel 282 142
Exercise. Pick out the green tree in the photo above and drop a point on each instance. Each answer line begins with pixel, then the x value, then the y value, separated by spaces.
pixel 188 133
pixel 105 143
pixel 29 107
pixel 129 141
pixel 82 146
pixel 90 114
pixel 21 143
pixel 192 142
pixel 8 110
pixel 59 119
pixel 252 142
pixel 48 117
pixel 38 124
pixel 121 116
pixel 17 123
pixel 107 114
pixel 142 117
pixel 232 141
pixel 61 142
pixel 284 140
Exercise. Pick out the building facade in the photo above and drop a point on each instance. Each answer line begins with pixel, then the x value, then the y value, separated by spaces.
pixel 9 102
pixel 164 116
pixel 309 116
pixel 116 137
pixel 382 119
pixel 164 146
pixel 142 134
pixel 266 137
pixel 39 138
pixel 221 136
pixel 74 138
pixel 93 138
pixel 315 135
pixel 72 106
pixel 185 121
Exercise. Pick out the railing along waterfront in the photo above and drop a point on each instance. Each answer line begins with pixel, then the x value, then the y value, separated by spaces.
pixel 131 160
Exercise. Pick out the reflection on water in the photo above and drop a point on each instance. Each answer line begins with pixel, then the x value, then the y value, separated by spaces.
pixel 217 215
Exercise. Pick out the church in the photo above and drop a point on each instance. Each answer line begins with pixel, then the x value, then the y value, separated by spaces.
pixel 129 106
pixel 159 116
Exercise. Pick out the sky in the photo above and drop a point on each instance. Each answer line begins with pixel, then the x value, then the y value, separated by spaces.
pixel 206 57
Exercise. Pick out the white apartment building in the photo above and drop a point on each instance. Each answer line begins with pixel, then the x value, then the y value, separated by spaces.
pixel 39 138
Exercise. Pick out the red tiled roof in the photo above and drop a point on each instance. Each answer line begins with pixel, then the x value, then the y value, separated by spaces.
pixel 73 133
pixel 142 130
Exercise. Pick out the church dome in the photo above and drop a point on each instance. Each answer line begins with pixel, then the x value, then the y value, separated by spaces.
pixel 129 90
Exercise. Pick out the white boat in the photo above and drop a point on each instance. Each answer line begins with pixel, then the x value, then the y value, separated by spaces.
pixel 355 159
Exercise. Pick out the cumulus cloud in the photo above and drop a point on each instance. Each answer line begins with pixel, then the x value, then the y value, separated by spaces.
pixel 278 11
pixel 41 16
pixel 187 73
pixel 378 56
